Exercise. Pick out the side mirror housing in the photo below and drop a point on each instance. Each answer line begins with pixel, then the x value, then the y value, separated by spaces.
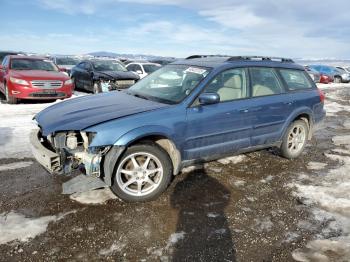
pixel 139 72
pixel 1 67
pixel 208 98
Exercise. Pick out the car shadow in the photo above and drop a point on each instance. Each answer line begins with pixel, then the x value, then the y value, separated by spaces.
pixel 202 232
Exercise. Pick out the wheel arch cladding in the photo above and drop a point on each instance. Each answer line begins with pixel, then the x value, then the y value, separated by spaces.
pixel 135 137
pixel 304 114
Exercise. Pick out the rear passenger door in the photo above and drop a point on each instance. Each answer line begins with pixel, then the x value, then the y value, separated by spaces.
pixel 269 106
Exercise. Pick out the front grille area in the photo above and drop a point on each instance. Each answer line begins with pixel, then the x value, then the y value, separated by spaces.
pixel 47 84
pixel 124 83
pixel 43 94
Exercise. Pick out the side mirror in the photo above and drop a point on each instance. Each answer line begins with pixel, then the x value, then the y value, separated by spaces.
pixel 62 69
pixel 1 67
pixel 139 72
pixel 208 98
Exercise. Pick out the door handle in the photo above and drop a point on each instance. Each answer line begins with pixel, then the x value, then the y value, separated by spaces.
pixel 289 103
pixel 244 110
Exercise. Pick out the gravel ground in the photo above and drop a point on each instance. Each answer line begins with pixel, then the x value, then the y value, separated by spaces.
pixel 253 207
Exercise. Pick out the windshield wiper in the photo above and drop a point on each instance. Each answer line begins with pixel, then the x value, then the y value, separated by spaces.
pixel 140 96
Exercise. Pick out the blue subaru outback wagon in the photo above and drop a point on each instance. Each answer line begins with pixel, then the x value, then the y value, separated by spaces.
pixel 197 109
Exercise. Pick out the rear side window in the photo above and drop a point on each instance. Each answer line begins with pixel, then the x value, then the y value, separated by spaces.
pixel 264 82
pixel 295 79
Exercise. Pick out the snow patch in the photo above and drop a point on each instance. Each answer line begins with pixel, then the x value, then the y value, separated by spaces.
pixel 267 179
pixel 16 165
pixel 332 108
pixel 16 125
pixel 330 197
pixel 316 165
pixel 189 169
pixel 114 247
pixel 263 224
pixel 174 238
pixel 212 215
pixel 239 183
pixel 98 196
pixel 15 226
pixel 232 159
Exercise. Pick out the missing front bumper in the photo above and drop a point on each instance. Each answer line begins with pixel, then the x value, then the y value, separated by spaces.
pixel 48 159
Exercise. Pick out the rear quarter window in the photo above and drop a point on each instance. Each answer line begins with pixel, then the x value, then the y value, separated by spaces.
pixel 296 79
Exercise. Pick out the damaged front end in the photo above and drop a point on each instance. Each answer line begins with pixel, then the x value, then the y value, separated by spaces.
pixel 62 152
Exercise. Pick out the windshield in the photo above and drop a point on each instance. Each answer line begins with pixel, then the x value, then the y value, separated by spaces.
pixel 66 61
pixel 32 64
pixel 170 84
pixel 150 68
pixel 108 66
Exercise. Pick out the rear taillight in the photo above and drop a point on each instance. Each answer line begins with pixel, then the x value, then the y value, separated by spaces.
pixel 322 95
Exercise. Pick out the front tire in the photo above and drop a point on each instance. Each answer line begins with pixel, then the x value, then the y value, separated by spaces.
pixel 9 99
pixel 142 174
pixel 96 88
pixel 295 139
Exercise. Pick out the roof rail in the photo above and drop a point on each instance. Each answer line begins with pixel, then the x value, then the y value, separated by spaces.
pixel 204 56
pixel 262 58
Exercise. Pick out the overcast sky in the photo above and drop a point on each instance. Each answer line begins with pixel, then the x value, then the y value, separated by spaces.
pixel 290 28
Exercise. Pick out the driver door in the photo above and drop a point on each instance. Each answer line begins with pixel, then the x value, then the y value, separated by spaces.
pixel 218 129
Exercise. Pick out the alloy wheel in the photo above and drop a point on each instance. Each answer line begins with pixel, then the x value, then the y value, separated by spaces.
pixel 296 139
pixel 139 174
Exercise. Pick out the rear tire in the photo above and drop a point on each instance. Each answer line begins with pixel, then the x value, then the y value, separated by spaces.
pixel 9 99
pixel 337 79
pixel 142 174
pixel 295 139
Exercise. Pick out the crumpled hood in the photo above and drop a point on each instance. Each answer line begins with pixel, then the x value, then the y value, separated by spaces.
pixel 83 112
pixel 119 75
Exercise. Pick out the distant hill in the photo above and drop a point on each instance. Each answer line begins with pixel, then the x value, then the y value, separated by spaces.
pixel 128 56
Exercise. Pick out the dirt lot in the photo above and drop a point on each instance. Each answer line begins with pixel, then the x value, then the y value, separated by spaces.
pixel 253 207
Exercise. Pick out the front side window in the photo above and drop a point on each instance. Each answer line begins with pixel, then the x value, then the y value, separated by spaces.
pixel 229 85
pixel 295 79
pixel 108 66
pixel 32 64
pixel 149 68
pixel 66 61
pixel 170 84
pixel 137 68
pixel 87 66
pixel 264 82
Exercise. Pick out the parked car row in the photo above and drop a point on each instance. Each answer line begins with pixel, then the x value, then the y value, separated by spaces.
pixel 33 77
pixel 328 73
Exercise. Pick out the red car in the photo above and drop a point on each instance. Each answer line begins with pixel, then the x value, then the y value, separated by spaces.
pixel 25 77
pixel 325 79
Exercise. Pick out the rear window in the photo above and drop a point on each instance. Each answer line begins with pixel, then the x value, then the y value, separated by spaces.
pixel 295 79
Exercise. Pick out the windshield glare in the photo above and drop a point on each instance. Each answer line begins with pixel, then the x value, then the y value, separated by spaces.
pixel 33 64
pixel 66 61
pixel 109 66
pixel 170 84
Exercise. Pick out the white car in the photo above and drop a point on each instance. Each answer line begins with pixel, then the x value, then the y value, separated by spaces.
pixel 143 68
